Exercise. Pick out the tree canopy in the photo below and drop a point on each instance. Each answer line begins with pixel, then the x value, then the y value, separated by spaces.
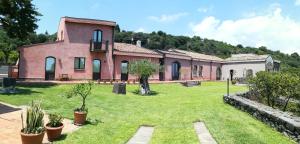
pixel 18 18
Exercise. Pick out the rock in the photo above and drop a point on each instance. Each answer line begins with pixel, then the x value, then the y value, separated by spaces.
pixel 283 122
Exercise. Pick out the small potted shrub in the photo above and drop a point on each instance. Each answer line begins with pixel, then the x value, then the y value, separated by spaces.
pixel 234 81
pixel 33 132
pixel 82 90
pixel 54 127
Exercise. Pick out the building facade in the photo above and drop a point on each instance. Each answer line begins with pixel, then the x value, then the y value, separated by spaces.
pixel 85 49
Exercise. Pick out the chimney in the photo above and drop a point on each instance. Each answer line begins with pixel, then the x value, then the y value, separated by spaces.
pixel 139 43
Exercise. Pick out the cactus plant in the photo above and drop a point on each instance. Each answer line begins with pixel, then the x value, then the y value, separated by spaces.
pixel 34 119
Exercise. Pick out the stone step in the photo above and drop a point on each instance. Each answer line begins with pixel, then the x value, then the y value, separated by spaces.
pixel 203 134
pixel 142 136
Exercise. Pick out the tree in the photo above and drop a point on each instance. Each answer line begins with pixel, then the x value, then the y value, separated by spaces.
pixel 7 45
pixel 143 69
pixel 83 90
pixel 18 18
pixel 264 86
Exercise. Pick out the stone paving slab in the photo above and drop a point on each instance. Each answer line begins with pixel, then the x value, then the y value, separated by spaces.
pixel 142 136
pixel 11 124
pixel 203 134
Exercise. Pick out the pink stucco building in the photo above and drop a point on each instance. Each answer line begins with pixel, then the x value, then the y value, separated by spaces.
pixel 85 49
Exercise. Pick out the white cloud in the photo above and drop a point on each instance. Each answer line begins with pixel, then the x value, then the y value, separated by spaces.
pixel 141 29
pixel 272 29
pixel 167 18
pixel 204 9
pixel 297 2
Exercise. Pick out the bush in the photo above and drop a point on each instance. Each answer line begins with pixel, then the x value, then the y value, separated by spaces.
pixel 55 120
pixel 233 81
pixel 34 119
pixel 272 86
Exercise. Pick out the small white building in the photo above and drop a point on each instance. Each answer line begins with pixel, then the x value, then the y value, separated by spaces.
pixel 243 65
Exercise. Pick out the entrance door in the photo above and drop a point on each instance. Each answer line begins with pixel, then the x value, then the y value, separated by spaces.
pixel 50 68
pixel 124 70
pixel 96 69
pixel 175 71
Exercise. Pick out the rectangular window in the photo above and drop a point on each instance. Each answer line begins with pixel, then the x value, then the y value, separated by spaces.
pixel 79 63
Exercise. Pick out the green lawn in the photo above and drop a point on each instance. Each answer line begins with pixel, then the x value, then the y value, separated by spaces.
pixel 172 111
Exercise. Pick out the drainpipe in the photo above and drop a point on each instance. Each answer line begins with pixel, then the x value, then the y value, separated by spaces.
pixel 210 70
pixel 191 69
pixel 112 52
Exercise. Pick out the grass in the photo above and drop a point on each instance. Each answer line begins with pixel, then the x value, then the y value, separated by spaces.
pixel 172 110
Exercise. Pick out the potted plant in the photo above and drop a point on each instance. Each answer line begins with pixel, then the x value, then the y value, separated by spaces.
pixel 33 132
pixel 82 90
pixel 54 126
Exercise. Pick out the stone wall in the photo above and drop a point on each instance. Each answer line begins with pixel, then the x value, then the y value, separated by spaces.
pixel 283 122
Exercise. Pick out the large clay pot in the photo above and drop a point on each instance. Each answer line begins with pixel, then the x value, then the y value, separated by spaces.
pixel 32 138
pixel 54 133
pixel 79 117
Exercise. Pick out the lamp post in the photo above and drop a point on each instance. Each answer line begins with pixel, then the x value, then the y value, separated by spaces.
pixel 227 86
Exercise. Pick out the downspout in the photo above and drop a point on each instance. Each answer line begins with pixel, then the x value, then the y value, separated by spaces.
pixel 210 70
pixel 191 68
pixel 19 64
pixel 112 53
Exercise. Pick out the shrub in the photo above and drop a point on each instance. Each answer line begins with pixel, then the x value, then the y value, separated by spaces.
pixel 272 86
pixel 233 81
pixel 34 119
pixel 83 90
pixel 55 120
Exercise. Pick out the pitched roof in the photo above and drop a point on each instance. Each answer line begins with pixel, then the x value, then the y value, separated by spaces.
pixel 124 47
pixel 247 57
pixel 89 21
pixel 200 56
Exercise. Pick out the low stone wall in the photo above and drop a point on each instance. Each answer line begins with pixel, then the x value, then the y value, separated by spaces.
pixel 283 122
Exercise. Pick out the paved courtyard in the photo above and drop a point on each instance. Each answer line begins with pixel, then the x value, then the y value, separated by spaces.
pixel 11 124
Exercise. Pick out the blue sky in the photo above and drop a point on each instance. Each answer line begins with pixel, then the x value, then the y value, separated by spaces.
pixel 249 22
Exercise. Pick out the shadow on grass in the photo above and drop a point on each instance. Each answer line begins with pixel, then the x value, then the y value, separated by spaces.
pixel 21 91
pixel 152 93
pixel 36 85
pixel 93 121
pixel 62 137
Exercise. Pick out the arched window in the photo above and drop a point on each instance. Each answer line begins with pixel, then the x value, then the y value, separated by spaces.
pixel 175 70
pixel 218 73
pixel 195 70
pixel 97 36
pixel 249 73
pixel 124 70
pixel 200 71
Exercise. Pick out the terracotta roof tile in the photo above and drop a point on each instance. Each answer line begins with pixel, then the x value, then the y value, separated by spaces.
pixel 196 55
pixel 123 47
pixel 246 57
pixel 89 21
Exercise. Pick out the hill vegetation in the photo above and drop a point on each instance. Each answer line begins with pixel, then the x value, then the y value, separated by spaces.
pixel 161 40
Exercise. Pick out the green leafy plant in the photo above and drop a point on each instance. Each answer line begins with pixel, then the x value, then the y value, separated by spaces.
pixel 34 119
pixel 83 90
pixel 55 120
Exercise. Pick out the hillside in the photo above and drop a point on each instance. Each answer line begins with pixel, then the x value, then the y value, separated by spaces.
pixel 161 40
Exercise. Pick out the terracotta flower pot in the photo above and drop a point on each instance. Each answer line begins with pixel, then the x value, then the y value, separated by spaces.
pixel 79 117
pixel 32 138
pixel 53 133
